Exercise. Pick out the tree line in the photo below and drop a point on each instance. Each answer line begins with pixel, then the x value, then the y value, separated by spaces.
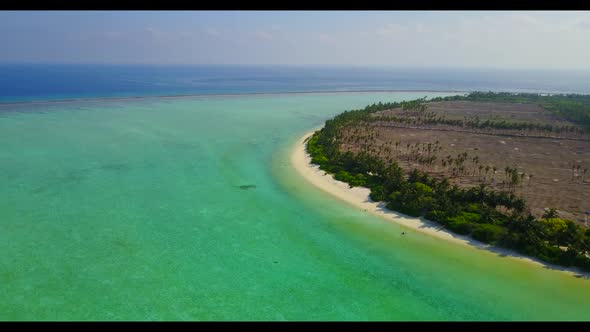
pixel 573 107
pixel 430 118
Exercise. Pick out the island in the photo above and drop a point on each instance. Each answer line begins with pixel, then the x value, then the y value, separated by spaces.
pixel 509 170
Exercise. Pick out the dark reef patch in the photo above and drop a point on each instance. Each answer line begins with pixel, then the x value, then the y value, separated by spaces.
pixel 119 167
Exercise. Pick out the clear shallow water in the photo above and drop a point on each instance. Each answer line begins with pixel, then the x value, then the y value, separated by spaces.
pixel 132 210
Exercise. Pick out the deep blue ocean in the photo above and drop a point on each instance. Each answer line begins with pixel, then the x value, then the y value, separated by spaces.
pixel 27 82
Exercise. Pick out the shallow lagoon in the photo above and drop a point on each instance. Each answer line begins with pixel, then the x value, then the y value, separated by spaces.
pixel 188 209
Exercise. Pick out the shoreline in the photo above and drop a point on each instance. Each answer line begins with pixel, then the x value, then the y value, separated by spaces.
pixel 359 197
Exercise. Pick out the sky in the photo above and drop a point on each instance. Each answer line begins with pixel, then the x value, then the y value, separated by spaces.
pixel 504 39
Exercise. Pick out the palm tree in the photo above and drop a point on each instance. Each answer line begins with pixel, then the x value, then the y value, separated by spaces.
pixel 550 213
pixel 506 172
pixel 515 177
pixel 475 163
pixel 573 170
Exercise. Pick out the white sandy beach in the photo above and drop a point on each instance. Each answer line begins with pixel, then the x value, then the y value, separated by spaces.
pixel 359 197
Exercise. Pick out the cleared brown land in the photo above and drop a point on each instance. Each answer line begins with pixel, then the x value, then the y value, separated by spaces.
pixel 553 183
pixel 500 111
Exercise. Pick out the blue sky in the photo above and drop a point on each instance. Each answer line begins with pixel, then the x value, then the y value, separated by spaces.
pixel 363 38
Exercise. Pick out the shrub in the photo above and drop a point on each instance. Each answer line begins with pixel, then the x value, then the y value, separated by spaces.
pixel 488 233
pixel 436 215
pixel 474 208
pixel 459 226
pixel 377 193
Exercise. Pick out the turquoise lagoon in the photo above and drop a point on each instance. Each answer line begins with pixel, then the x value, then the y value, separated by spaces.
pixel 188 209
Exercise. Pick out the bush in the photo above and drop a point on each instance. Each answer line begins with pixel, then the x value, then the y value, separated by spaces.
pixel 488 233
pixel 377 193
pixel 465 217
pixel 459 226
pixel 319 160
pixel 474 208
pixel 471 217
pixel 550 254
pixel 358 180
pixel 422 189
pixel 354 180
pixel 436 215
pixel 567 258
pixel 404 207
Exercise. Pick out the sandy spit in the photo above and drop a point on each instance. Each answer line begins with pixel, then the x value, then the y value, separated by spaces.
pixel 359 197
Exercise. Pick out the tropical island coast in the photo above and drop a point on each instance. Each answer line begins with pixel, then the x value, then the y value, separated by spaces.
pixel 482 224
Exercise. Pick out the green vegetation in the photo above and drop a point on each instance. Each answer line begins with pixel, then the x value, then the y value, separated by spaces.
pixel 430 118
pixel 494 217
pixel 573 107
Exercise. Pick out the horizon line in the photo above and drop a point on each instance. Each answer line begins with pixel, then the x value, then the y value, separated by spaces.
pixel 367 66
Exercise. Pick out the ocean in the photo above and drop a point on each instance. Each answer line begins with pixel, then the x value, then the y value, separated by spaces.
pixel 25 82
pixel 187 208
